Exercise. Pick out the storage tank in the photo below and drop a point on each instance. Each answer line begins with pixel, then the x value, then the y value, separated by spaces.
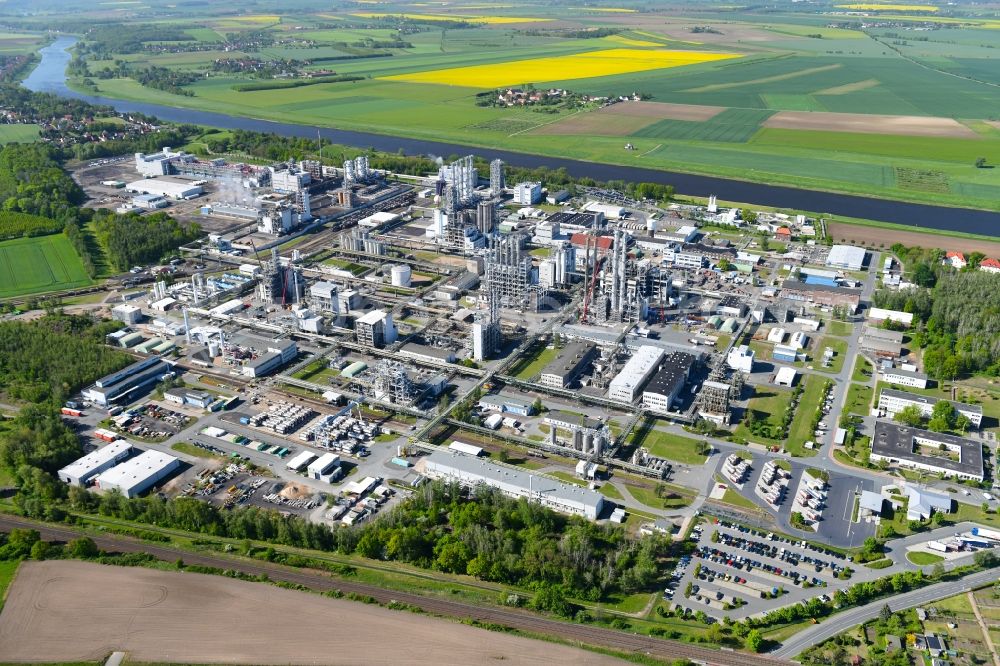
pixel 400 275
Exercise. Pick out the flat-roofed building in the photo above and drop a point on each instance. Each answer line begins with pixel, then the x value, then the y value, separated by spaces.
pixel 570 362
pixel 375 329
pixel 81 471
pixel 878 315
pixel 847 256
pixel 120 384
pixel 325 468
pixel 891 402
pixel 471 472
pixel 137 475
pixel 663 389
pixel 927 451
pixel 503 403
pixel 628 384
pixel 881 342
pixel 901 377
pixel 821 294
pixel 427 353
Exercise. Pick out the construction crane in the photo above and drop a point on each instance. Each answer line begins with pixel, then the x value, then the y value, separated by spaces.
pixel 256 254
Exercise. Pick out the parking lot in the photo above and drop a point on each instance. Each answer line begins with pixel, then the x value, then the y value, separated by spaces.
pixel 743 572
pixel 151 421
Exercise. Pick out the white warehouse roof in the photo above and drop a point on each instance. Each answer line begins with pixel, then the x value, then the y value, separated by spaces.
pixel 135 475
pixel 846 256
pixel 82 469
pixel 515 482
pixel 300 461
pixel 637 367
pixel 165 188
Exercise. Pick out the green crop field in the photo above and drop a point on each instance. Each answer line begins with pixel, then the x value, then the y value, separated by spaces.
pixel 38 265
pixel 24 133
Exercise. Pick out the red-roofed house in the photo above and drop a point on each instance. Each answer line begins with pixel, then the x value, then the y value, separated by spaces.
pixel 956 259
pixel 990 265
pixel 783 234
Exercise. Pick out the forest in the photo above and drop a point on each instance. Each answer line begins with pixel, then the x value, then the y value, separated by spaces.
pixel 32 181
pixel 956 313
pixel 134 239
pixel 18 225
pixel 33 365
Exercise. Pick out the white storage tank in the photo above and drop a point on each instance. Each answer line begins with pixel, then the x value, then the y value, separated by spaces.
pixel 400 275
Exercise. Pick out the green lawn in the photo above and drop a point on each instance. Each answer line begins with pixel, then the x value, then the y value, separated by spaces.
pixel 192 450
pixel 675 497
pixel 734 498
pixel 861 366
pixel 7 570
pixel 859 399
pixel 921 558
pixel 568 478
pixel 839 328
pixel 839 353
pixel 769 403
pixel 610 491
pixel 38 265
pixel 801 429
pixel 673 447
pixel 530 366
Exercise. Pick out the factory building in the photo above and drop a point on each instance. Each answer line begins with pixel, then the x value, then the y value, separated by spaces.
pixel 183 396
pixel 169 189
pixel 571 361
pixel 821 294
pixel 127 314
pixel 661 392
pixel 628 384
pixel 878 315
pixel 427 353
pixel 325 468
pixel 375 329
pixel 927 451
pixel 120 384
pixel 527 194
pixel 847 257
pixel 156 164
pixel 279 352
pixel 323 297
pixel 133 477
pixel 741 358
pixel 508 271
pixel 297 463
pixel 505 404
pixel 471 472
pixel 881 342
pixel 891 402
pixel 81 471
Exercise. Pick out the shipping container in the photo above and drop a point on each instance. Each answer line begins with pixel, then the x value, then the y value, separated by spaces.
pixel 71 412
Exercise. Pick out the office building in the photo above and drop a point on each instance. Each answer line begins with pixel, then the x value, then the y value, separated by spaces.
pixel 527 194
pixel 926 451
pixel 663 389
pixel 900 377
pixel 891 402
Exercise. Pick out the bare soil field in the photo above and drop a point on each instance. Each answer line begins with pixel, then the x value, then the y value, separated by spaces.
pixel 680 30
pixel 626 118
pixel 864 123
pixel 69 611
pixel 875 237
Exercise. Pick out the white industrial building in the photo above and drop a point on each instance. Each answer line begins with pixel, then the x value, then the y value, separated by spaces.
pixel 169 189
pixel 134 477
pixel 527 194
pixel 156 164
pixel 627 384
pixel 878 315
pixel 609 211
pixel 376 220
pixel 891 402
pixel 785 376
pixel 81 471
pixel 846 256
pixel 279 352
pixel 375 329
pixel 901 377
pixel 127 314
pixel 323 297
pixel 297 463
pixel 325 468
pixel 741 358
pixel 513 482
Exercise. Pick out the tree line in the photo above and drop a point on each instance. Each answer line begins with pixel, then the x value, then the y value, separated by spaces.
pixel 132 239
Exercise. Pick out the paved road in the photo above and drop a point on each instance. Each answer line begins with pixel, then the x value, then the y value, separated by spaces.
pixel 320 581
pixel 844 621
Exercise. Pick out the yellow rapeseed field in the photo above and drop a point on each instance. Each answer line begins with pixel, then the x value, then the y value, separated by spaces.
pixel 490 20
pixel 889 8
pixel 561 68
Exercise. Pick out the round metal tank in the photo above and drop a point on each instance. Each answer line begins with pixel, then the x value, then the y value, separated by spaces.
pixel 400 275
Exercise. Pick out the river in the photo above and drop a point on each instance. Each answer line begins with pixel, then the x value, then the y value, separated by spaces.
pixel 50 76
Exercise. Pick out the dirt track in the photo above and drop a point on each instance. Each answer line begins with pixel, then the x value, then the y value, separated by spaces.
pixel 75 611
pixel 627 118
pixel 875 237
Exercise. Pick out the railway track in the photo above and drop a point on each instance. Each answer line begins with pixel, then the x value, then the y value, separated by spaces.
pixel 320 581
